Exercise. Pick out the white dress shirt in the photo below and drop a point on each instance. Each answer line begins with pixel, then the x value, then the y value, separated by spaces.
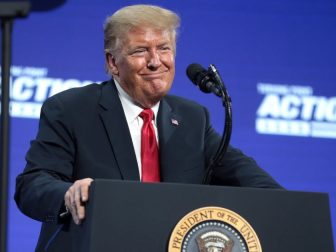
pixel 134 121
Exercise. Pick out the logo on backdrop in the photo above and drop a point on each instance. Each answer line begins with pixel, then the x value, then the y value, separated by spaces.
pixel 294 111
pixel 30 86
pixel 213 229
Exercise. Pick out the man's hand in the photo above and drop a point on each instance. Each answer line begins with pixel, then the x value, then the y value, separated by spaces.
pixel 75 199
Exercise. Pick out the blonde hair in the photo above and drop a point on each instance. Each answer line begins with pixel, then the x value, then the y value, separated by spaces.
pixel 117 25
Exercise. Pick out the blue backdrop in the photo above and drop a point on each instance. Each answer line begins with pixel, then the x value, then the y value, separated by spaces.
pixel 277 58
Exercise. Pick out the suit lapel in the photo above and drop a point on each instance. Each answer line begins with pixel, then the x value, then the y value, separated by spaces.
pixel 168 123
pixel 115 123
pixel 165 127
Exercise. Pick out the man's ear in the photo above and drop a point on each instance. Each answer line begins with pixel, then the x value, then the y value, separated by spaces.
pixel 111 64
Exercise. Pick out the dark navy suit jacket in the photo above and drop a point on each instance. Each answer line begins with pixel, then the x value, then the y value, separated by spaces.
pixel 83 133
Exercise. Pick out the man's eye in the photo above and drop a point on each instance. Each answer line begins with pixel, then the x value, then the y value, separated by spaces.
pixel 165 48
pixel 139 51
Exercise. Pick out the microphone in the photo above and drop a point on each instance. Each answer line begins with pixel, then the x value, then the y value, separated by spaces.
pixel 202 78
pixel 210 81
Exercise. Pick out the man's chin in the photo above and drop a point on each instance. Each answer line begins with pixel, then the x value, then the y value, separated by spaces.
pixel 154 98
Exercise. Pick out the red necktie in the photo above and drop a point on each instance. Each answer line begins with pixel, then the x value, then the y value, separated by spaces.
pixel 149 149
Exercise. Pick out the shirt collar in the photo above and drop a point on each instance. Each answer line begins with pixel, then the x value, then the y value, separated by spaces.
pixel 131 109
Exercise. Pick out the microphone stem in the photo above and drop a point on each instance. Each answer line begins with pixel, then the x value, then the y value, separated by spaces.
pixel 225 140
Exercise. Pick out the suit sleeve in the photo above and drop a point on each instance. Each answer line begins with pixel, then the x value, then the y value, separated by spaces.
pixel 40 189
pixel 236 169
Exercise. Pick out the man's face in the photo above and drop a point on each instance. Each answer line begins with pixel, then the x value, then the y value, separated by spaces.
pixel 145 64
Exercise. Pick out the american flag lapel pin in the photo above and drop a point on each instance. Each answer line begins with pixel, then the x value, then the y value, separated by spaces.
pixel 174 122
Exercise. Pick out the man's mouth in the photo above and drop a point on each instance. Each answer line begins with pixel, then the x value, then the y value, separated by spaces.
pixel 153 75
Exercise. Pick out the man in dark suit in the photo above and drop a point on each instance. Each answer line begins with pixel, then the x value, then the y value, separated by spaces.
pixel 97 131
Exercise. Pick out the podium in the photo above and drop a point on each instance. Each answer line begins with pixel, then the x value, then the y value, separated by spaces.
pixel 133 216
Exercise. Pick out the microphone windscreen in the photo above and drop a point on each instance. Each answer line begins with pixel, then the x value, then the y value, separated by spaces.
pixel 193 72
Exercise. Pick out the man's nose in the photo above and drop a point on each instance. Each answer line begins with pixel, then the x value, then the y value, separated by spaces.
pixel 154 60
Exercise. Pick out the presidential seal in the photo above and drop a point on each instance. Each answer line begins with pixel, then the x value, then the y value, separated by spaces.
pixel 213 229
